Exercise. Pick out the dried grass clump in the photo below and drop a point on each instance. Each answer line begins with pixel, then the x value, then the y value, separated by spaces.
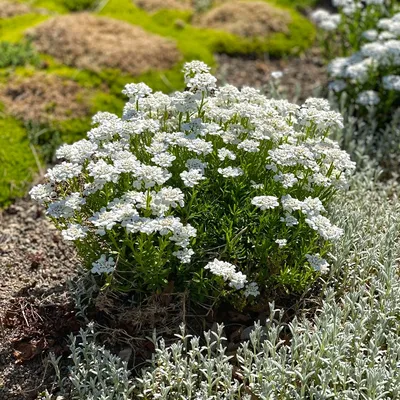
pixel 155 5
pixel 94 43
pixel 44 98
pixel 11 9
pixel 247 18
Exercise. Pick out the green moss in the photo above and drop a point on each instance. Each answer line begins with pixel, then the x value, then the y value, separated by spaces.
pixel 17 160
pixel 57 6
pixel 12 29
pixel 200 43
pixel 300 4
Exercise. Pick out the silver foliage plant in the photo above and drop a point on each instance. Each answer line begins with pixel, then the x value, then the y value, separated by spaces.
pixel 350 351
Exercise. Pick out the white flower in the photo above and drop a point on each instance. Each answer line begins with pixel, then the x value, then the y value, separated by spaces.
pixel 103 265
pixel 136 91
pixel 338 85
pixel 324 227
pixel 368 98
pixel 287 180
pixel 74 201
pixel 230 172
pixel 163 159
pixel 224 153
pixel 265 202
pixel 291 204
pixel 58 209
pixel 192 178
pixel 202 83
pixel 251 289
pixel 42 193
pixel 281 242
pixel 74 232
pixel 63 172
pixel 184 255
pixel 228 273
pixel 195 67
pixel 251 146
pixel 77 152
pixel 391 82
pixel 370 35
pixel 103 172
pixel 318 263
pixel 276 75
pixel 289 220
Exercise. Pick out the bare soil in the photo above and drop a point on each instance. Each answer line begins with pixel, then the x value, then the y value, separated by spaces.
pixel 303 76
pixel 36 313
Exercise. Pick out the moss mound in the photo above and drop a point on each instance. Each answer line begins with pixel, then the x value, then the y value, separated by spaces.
pixel 247 19
pixel 95 43
pixel 156 5
pixel 17 160
pixel 43 99
pixel 11 9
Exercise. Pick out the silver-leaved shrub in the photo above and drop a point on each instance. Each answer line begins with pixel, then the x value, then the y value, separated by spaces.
pixel 218 190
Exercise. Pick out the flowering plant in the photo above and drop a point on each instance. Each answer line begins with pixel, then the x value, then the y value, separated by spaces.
pixel 215 190
pixel 343 32
pixel 370 78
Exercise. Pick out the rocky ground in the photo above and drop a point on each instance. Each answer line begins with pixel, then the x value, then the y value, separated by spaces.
pixel 35 310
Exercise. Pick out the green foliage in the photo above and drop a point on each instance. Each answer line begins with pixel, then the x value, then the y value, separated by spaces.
pixel 79 5
pixel 192 39
pixel 13 29
pixel 17 160
pixel 14 54
pixel 225 205
pixel 349 348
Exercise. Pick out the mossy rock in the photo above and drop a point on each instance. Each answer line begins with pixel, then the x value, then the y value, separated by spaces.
pixel 17 159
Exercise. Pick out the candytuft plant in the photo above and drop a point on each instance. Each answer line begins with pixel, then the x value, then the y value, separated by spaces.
pixel 215 190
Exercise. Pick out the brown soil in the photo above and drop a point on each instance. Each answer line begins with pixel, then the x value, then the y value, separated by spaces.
pixel 155 5
pixel 303 77
pixel 246 18
pixel 95 43
pixel 43 98
pixel 11 9
pixel 35 312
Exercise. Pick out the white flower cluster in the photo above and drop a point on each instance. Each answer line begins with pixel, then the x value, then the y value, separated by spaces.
pixel 325 20
pixel 374 70
pixel 136 176
pixel 228 273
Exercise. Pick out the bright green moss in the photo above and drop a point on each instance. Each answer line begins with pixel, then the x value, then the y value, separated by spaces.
pixel 13 29
pixel 18 164
pixel 300 4
pixel 57 6
pixel 200 43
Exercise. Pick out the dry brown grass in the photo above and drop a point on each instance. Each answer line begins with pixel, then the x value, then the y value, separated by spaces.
pixel 10 9
pixel 95 43
pixel 44 98
pixel 155 5
pixel 246 18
